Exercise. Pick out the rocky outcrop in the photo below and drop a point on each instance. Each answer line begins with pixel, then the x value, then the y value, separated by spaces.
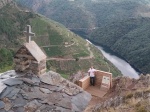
pixel 127 95
pixel 125 103
pixel 4 2
pixel 49 92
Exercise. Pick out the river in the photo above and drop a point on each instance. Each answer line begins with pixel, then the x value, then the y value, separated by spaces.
pixel 125 68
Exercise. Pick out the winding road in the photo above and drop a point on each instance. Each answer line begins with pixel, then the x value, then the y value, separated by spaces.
pixel 70 59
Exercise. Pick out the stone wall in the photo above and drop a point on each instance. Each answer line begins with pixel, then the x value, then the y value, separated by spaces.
pixel 85 82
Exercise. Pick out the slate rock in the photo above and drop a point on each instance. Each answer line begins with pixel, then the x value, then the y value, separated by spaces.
pixel 36 80
pixel 46 108
pixel 13 81
pixel 2 110
pixel 6 92
pixel 15 91
pixel 53 98
pixel 58 95
pixel 50 87
pixel 34 94
pixel 2 87
pixel 84 98
pixel 19 101
pixel 71 89
pixel 8 104
pixel 23 93
pixel 19 109
pixel 8 74
pixel 60 88
pixel 47 91
pixel 2 104
pixel 60 109
pixel 28 81
pixel 32 106
pixel 10 111
pixel 65 103
pixel 74 108
pixel 51 78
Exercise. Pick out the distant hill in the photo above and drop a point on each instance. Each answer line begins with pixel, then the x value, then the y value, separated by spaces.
pixel 67 52
pixel 130 39
pixel 88 13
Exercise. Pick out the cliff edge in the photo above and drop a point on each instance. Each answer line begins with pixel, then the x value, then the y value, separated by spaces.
pixel 126 95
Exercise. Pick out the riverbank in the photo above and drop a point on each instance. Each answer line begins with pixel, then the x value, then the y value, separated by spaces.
pixel 125 68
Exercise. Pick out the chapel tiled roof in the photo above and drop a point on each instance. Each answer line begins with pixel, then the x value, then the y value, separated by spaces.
pixel 35 50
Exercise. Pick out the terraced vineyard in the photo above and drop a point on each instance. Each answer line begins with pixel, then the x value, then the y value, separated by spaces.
pixel 67 53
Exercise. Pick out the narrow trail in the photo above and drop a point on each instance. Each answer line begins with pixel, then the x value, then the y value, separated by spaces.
pixel 70 44
pixel 59 45
pixel 80 58
pixel 72 59
pixel 61 59
pixel 91 53
pixel 51 45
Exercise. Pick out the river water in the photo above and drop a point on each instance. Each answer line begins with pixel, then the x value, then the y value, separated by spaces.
pixel 125 68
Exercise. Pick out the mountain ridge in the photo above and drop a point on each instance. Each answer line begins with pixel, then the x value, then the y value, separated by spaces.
pixel 88 13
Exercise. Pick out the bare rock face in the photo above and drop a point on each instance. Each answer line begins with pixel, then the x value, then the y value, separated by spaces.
pixel 127 95
pixel 49 92
pixel 4 2
pixel 76 77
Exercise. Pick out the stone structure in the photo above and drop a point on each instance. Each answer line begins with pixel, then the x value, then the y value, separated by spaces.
pixel 103 83
pixel 103 80
pixel 127 95
pixel 47 93
pixel 30 58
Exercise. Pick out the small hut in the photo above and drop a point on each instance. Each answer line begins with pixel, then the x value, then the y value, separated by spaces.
pixel 30 58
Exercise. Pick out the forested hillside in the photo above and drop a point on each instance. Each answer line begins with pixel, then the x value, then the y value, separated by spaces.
pixel 67 53
pixel 88 13
pixel 130 39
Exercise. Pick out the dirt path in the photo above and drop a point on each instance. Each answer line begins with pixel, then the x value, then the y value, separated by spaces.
pixel 59 45
pixel 91 53
pixel 68 59
pixel 51 45
pixel 61 59
pixel 70 44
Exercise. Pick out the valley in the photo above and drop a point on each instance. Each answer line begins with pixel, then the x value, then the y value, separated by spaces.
pixel 112 23
pixel 119 31
pixel 129 38
pixel 125 68
pixel 67 52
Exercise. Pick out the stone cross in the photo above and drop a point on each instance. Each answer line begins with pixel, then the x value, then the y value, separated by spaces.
pixel 28 33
